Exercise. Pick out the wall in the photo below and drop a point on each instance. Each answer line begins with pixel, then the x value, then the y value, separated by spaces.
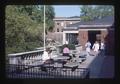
pixel 83 37
pixel 58 36
pixel 64 24
pixel 103 34
pixel 110 43
pixel 106 35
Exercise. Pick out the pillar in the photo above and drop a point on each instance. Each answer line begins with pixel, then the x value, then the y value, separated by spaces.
pixel 64 37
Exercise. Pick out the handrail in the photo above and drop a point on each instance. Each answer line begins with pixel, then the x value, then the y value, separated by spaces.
pixel 24 53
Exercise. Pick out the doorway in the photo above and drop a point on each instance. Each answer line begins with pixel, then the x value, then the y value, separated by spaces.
pixel 93 36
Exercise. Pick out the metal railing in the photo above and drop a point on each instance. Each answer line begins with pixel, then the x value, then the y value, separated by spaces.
pixel 40 71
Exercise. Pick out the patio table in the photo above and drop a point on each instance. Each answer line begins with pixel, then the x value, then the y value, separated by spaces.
pixel 71 65
pixel 60 58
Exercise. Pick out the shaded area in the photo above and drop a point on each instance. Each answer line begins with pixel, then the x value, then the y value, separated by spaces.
pixel 92 36
pixel 103 65
pixel 107 69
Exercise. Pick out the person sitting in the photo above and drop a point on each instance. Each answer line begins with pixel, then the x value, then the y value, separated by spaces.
pixel 50 55
pixel 45 56
pixel 66 52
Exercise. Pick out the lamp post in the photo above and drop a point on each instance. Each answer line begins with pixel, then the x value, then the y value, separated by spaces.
pixel 44 27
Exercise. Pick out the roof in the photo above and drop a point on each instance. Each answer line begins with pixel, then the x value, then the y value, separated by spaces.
pixel 67 18
pixel 75 17
pixel 106 21
pixel 60 17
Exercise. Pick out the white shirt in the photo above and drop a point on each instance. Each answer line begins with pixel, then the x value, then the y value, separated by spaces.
pixel 102 46
pixel 87 45
pixel 45 56
pixel 96 47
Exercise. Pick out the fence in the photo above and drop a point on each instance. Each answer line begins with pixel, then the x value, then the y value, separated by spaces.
pixel 25 57
pixel 28 65
pixel 39 71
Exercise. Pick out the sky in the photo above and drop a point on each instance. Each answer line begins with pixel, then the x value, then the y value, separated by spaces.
pixel 66 10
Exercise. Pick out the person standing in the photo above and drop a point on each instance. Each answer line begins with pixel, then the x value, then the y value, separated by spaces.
pixel 102 48
pixel 88 45
pixel 96 47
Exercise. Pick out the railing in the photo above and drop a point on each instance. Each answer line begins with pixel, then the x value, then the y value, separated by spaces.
pixel 24 57
pixel 38 71
pixel 29 65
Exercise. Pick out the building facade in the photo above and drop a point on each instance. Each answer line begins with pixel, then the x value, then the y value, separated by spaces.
pixel 59 24
pixel 96 30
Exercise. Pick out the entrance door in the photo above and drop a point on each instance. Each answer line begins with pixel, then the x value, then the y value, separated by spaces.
pixel 93 36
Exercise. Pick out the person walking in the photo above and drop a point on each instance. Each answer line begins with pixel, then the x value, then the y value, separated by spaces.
pixel 96 47
pixel 102 48
pixel 87 46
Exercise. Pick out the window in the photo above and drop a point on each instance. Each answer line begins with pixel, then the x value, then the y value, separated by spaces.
pixel 62 30
pixel 58 23
pixel 57 29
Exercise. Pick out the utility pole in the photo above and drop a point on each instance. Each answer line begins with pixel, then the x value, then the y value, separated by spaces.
pixel 44 27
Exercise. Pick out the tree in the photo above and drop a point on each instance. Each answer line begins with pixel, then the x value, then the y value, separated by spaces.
pixel 24 27
pixel 33 11
pixel 90 12
pixel 49 10
pixel 19 26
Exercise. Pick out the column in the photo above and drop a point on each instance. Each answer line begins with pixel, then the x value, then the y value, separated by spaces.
pixel 64 37
pixel 68 38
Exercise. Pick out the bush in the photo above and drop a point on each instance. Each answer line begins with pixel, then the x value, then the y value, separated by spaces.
pixel 71 46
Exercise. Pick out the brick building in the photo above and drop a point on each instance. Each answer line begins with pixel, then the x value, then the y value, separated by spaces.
pixel 59 24
pixel 98 29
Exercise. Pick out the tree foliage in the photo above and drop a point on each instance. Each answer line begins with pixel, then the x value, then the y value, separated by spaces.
pixel 49 12
pixel 90 12
pixel 24 27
